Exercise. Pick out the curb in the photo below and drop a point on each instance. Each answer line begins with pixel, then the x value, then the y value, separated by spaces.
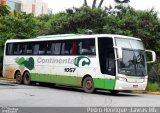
pixel 7 79
pixel 146 92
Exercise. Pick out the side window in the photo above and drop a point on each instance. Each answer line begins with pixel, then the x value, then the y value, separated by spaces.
pixel 9 49
pixel 17 49
pixel 87 47
pixel 48 48
pixel 74 48
pixel 78 47
pixel 55 48
pixel 35 49
pixel 69 47
pixel 42 48
pixel 29 48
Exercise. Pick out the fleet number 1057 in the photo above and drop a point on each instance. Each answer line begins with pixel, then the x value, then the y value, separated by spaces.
pixel 69 69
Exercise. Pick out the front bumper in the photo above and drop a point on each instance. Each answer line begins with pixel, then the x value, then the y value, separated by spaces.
pixel 124 85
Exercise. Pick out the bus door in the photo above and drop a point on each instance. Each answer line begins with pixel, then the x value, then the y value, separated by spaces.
pixel 107 62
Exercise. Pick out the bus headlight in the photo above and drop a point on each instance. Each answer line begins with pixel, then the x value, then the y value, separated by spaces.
pixel 121 78
pixel 145 79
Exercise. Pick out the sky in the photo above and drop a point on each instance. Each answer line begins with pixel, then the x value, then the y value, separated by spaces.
pixel 61 5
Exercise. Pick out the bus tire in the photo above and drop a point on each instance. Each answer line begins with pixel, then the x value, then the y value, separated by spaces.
pixel 18 77
pixel 26 78
pixel 88 85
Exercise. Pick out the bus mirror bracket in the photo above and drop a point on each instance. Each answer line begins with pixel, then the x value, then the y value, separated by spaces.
pixel 119 51
pixel 153 56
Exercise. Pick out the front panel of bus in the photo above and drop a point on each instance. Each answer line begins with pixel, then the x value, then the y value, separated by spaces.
pixel 126 73
pixel 132 67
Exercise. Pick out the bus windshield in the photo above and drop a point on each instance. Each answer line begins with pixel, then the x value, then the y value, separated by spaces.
pixel 133 62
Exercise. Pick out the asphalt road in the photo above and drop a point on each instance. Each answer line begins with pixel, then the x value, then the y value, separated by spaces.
pixel 58 96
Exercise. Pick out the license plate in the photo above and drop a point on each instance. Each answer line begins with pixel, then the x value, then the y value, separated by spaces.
pixel 135 86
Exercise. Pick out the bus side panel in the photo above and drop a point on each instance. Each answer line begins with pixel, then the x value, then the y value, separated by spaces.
pixel 10 67
pixel 104 83
pixel 55 69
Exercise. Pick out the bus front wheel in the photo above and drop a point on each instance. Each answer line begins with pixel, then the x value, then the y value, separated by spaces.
pixel 26 78
pixel 88 85
pixel 18 78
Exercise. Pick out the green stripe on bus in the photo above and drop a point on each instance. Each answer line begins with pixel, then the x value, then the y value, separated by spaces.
pixel 72 80
pixel 59 79
pixel 104 83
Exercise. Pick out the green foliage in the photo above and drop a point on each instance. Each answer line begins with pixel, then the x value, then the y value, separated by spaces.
pixel 153 86
pixel 142 24
pixel 75 20
pixel 4 10
pixel 20 25
pixel 154 72
pixel 130 22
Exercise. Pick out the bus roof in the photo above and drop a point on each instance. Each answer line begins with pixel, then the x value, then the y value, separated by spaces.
pixel 70 36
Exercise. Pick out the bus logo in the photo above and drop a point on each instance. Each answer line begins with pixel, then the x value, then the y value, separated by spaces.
pixel 28 63
pixel 82 61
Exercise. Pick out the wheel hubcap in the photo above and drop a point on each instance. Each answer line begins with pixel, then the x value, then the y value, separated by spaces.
pixel 88 84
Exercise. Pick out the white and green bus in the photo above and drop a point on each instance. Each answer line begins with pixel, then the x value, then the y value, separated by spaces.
pixel 102 61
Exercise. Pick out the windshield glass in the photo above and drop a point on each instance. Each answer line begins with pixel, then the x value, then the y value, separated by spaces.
pixel 133 62
pixel 129 43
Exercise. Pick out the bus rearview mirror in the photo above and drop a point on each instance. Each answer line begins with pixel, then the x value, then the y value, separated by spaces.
pixel 153 56
pixel 119 52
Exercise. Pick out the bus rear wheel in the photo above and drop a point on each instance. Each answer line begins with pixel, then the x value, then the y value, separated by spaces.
pixel 26 78
pixel 18 78
pixel 88 85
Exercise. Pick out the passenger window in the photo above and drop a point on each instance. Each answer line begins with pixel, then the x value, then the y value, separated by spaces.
pixel 42 48
pixel 69 47
pixel 9 49
pixel 87 47
pixel 29 48
pixel 74 48
pixel 55 48
pixel 48 48
pixel 36 49
pixel 17 49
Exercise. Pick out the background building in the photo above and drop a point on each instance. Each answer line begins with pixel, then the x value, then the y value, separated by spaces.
pixel 2 1
pixel 37 7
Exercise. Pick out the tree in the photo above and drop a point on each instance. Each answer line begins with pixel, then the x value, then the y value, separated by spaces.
pixel 122 1
pixel 78 21
pixel 85 3
pixel 4 10
pixel 101 2
pixel 94 3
